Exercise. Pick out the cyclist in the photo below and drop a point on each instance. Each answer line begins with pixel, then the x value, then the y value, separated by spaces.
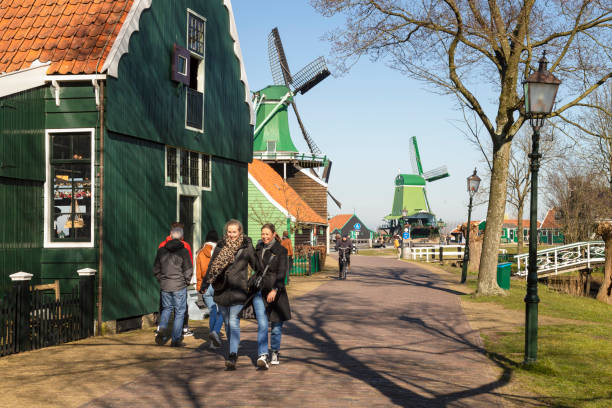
pixel 343 246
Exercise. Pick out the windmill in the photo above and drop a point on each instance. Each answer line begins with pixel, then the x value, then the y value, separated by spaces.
pixel 410 203
pixel 272 141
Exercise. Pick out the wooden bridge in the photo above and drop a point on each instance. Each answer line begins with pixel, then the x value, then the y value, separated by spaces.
pixel 564 259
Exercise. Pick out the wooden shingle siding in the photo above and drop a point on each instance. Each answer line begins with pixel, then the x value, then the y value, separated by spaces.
pixel 313 193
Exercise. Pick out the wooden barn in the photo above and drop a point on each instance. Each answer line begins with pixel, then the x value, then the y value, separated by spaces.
pixel 117 117
pixel 272 199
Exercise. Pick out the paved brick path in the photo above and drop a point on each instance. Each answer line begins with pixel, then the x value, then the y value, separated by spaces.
pixel 390 335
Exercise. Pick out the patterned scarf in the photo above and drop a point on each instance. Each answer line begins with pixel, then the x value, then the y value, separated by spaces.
pixel 225 257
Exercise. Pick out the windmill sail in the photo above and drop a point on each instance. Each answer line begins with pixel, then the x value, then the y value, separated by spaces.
pixel 309 76
pixel 312 146
pixel 278 61
pixel 415 158
pixel 436 174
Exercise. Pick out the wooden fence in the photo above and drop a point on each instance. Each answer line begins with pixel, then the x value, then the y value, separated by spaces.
pixel 31 319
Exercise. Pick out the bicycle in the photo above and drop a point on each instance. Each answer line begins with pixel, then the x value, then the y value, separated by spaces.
pixel 343 262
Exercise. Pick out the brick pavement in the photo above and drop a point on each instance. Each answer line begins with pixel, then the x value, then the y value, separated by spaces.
pixel 391 335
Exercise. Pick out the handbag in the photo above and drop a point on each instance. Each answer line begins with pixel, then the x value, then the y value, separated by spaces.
pixel 255 282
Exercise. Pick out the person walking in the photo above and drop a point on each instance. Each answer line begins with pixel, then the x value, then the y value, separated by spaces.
pixel 286 243
pixel 227 272
pixel 173 270
pixel 271 303
pixel 186 330
pixel 215 320
pixel 397 245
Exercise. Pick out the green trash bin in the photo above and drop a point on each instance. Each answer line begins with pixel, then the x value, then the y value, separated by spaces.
pixel 503 275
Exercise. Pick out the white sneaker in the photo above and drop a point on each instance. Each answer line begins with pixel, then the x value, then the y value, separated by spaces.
pixel 274 358
pixel 262 362
pixel 187 332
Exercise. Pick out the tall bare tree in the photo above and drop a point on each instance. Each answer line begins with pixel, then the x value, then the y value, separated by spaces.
pixel 457 44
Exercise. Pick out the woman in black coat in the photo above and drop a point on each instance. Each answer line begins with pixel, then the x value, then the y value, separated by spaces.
pixel 228 273
pixel 272 303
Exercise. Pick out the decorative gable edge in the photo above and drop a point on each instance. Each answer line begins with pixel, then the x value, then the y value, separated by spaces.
pixel 238 52
pixel 122 42
pixel 309 174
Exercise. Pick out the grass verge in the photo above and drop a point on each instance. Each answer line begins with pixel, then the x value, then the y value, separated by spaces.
pixel 574 366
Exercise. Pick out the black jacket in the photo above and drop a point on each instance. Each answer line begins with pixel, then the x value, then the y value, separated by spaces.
pixel 231 285
pixel 279 310
pixel 172 266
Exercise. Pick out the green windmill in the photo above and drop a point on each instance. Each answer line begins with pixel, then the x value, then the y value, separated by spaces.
pixel 410 203
pixel 272 142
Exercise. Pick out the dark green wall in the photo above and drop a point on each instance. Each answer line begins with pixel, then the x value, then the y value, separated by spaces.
pixel 22 132
pixel 21 210
pixel 137 212
pixel 144 89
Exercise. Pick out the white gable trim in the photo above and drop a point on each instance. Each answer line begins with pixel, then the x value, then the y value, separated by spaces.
pixel 238 52
pixel 121 43
pixel 22 80
pixel 269 198
pixel 308 173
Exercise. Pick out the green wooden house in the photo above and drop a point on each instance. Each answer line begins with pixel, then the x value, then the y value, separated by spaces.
pixel 550 231
pixel 349 225
pixel 118 117
pixel 273 200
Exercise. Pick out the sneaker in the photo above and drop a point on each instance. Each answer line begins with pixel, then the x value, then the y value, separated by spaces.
pixel 274 358
pixel 214 339
pixel 160 339
pixel 230 363
pixel 187 332
pixel 262 362
pixel 178 343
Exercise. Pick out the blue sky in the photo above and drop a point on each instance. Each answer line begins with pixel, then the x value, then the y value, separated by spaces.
pixel 364 119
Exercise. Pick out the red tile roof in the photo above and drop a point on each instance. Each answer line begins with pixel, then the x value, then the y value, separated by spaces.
pixel 549 220
pixel 338 221
pixel 75 36
pixel 282 193
pixel 514 223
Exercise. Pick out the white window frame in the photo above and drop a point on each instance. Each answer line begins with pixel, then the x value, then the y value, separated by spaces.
pixel 202 155
pixel 178 183
pixel 47 207
pixel 167 182
pixel 200 76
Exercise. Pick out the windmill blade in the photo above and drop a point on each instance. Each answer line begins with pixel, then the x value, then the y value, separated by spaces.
pixel 314 149
pixel 327 171
pixel 436 174
pixel 338 203
pixel 415 158
pixel 278 61
pixel 310 76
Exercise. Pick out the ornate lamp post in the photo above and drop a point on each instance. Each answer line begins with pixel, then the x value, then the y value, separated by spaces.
pixel 540 92
pixel 473 182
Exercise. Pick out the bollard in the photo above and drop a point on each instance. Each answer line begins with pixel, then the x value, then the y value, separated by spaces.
pixel 87 277
pixel 441 255
pixel 21 290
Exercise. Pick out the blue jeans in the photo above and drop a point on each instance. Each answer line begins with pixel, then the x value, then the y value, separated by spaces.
pixel 232 325
pixel 215 320
pixel 177 301
pixel 262 324
pixel 275 335
pixel 262 328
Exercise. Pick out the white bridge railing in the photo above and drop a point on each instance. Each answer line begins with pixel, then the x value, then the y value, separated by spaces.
pixel 564 258
pixel 433 252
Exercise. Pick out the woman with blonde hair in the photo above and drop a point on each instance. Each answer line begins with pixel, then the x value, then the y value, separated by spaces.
pixel 227 272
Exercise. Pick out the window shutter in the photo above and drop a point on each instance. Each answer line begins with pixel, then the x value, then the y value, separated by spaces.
pixel 180 65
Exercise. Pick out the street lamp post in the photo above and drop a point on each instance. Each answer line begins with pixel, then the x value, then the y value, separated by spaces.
pixel 540 92
pixel 473 182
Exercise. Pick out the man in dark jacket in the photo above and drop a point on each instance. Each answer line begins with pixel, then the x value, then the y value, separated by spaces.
pixel 173 270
